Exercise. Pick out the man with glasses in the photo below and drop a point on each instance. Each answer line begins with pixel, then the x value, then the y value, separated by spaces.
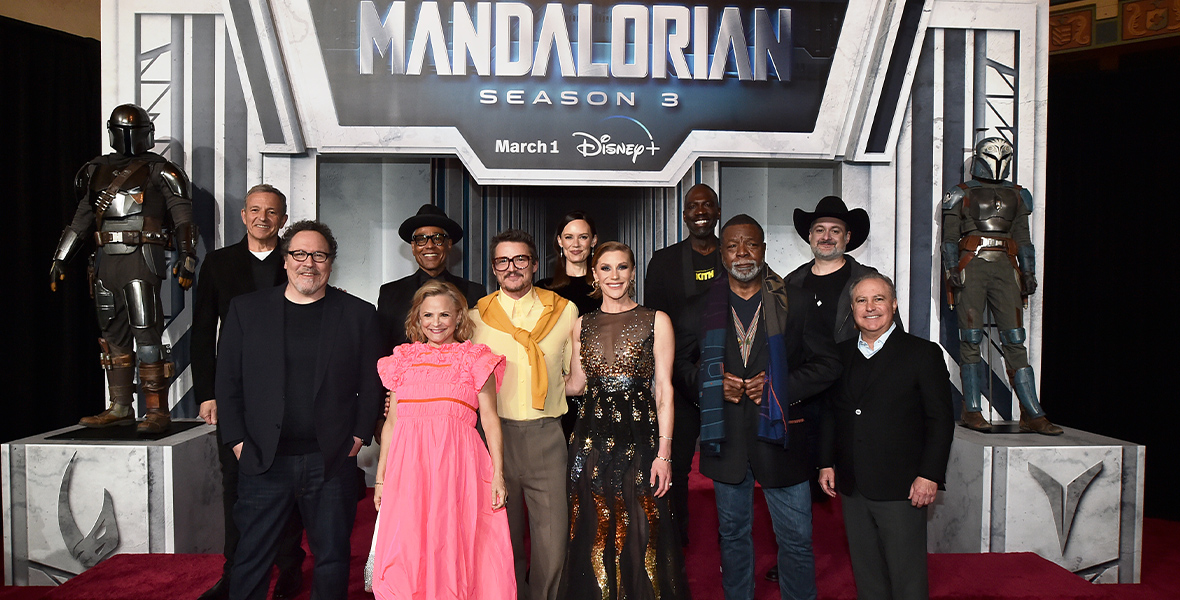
pixel 430 234
pixel 298 394
pixel 531 328
pixel 247 266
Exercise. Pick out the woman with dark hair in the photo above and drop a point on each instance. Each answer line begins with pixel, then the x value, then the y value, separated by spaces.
pixel 622 540
pixel 574 240
pixel 442 531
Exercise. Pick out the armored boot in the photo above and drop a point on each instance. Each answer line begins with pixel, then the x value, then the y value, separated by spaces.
pixel 120 368
pixel 1032 416
pixel 154 378
pixel 972 374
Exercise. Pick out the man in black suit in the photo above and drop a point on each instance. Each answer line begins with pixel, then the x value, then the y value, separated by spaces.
pixel 886 441
pixel 249 265
pixel 430 234
pixel 298 393
pixel 752 347
pixel 675 276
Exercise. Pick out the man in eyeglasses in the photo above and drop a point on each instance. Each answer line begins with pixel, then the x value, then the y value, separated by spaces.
pixel 530 404
pixel 298 394
pixel 430 234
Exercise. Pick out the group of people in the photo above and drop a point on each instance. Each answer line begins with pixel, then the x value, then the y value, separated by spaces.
pixel 783 382
pixel 473 454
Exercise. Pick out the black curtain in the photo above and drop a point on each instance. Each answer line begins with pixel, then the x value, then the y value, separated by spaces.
pixel 51 125
pixel 1110 229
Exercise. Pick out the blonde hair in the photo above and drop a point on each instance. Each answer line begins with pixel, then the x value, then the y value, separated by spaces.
pixel 435 287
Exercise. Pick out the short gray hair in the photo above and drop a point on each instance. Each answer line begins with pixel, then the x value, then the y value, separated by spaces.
pixel 872 275
pixel 269 189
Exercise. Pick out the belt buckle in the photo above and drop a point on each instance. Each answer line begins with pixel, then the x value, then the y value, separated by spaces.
pixel 116 237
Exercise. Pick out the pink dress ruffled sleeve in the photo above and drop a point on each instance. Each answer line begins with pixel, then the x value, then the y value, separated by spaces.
pixel 483 363
pixel 391 368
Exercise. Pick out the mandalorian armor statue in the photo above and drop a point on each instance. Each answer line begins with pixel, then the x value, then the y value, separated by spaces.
pixel 989 261
pixel 137 200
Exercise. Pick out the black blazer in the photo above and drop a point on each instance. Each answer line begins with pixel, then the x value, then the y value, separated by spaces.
pixel 905 423
pixel 845 328
pixel 670 281
pixel 813 367
pixel 251 377
pixel 395 299
pixel 225 274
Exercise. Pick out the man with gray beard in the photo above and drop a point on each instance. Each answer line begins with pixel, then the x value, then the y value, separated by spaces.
pixel 753 348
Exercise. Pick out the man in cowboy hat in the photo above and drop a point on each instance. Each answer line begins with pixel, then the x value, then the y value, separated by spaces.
pixel 832 230
pixel 430 234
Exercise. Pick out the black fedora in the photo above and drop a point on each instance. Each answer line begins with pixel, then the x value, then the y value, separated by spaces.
pixel 430 216
pixel 833 207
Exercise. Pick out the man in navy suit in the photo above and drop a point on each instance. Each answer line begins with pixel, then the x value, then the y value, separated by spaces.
pixel 298 394
pixel 885 444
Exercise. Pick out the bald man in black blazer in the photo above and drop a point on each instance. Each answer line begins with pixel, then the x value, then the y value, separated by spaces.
pixel 885 444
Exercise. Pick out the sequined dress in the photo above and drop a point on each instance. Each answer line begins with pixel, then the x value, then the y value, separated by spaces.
pixel 623 543
pixel 437 535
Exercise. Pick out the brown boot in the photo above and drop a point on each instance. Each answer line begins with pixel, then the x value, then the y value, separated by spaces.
pixel 974 420
pixel 154 379
pixel 1039 425
pixel 120 368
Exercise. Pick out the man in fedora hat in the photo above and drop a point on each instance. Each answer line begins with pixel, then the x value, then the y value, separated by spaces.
pixel 430 234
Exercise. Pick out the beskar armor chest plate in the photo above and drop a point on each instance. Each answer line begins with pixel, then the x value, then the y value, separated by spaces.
pixel 992 209
pixel 125 210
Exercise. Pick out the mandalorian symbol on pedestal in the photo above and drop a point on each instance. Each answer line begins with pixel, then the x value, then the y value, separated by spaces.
pixel 1064 499
pixel 103 539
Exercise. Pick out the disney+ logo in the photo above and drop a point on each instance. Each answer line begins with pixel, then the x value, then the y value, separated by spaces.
pixel 605 144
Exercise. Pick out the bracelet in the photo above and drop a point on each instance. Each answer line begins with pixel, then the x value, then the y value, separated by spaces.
pixel 377 483
pixel 666 437
pixel 667 460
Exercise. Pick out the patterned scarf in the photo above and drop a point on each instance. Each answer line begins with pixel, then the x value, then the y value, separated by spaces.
pixel 772 413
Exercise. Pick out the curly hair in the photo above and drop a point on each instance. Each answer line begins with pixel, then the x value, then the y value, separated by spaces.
pixel 463 329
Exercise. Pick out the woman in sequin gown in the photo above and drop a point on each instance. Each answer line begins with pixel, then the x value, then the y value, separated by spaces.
pixel 622 541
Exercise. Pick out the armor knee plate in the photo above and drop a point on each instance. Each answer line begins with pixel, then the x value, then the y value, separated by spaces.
pixel 971 336
pixel 142 304
pixel 1012 337
pixel 104 304
pixel 152 353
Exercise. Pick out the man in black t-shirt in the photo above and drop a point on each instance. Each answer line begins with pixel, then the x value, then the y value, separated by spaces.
pixel 675 276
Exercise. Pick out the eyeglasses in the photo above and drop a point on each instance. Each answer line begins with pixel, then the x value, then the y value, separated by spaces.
pixel 437 238
pixel 519 261
pixel 301 255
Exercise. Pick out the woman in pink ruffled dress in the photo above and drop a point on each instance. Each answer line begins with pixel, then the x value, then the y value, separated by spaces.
pixel 442 532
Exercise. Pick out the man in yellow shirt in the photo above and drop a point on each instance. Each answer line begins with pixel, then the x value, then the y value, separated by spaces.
pixel 531 328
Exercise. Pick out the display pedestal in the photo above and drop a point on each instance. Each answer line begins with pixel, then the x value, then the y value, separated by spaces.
pixel 70 503
pixel 1075 499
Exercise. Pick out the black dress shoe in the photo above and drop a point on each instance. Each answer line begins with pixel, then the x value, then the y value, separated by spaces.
pixel 772 574
pixel 289 583
pixel 219 591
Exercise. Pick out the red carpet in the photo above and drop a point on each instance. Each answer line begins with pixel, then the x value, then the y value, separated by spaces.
pixel 952 576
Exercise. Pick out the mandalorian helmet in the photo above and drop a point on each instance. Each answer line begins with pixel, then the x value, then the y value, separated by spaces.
pixel 993 159
pixel 131 130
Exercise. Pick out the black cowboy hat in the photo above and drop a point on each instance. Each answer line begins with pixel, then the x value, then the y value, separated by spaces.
pixel 430 216
pixel 833 207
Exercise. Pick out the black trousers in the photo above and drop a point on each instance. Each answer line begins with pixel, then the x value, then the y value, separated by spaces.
pixel 887 545
pixel 289 553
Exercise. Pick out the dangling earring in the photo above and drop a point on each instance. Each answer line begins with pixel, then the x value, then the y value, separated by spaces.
pixel 631 289
pixel 594 284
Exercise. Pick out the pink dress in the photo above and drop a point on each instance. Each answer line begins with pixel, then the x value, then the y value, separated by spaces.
pixel 438 537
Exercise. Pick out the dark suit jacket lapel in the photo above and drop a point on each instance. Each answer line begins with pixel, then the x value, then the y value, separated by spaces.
pixel 272 327
pixel 332 314
pixel 690 274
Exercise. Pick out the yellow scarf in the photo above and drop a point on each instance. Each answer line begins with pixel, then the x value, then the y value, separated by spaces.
pixel 493 315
